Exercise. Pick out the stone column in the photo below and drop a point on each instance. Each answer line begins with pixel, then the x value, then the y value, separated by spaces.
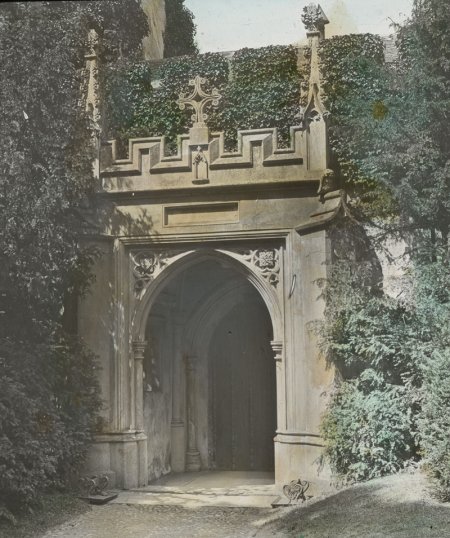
pixel 193 462
pixel 277 348
pixel 139 351
pixel 178 463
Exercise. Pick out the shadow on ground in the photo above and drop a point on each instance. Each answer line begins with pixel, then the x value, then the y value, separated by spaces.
pixel 397 506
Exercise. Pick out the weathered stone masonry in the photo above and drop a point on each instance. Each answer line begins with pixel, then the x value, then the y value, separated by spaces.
pixel 209 269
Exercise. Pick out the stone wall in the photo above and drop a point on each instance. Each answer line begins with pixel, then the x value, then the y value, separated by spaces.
pixel 153 44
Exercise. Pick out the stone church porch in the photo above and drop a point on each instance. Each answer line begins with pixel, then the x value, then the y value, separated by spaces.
pixel 205 298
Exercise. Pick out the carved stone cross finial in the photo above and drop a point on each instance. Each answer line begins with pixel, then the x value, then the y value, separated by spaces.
pixel 198 99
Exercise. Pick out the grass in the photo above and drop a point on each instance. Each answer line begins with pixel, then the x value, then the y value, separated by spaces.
pixel 397 506
pixel 54 509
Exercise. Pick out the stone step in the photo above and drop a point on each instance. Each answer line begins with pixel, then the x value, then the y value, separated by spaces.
pixel 196 500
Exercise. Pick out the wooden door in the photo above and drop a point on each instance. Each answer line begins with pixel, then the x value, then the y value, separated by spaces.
pixel 243 390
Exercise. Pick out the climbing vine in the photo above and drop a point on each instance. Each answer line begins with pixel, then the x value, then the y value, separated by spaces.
pixel 259 88
pixel 355 85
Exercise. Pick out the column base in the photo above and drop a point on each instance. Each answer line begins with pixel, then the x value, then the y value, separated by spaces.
pixel 122 456
pixel 299 455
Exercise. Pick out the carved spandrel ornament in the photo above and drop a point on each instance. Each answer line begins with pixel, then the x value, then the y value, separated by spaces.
pixel 198 99
pixel 267 263
pixel 146 265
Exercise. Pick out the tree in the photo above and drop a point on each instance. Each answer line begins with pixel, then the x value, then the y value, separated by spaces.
pixel 49 395
pixel 390 136
pixel 179 35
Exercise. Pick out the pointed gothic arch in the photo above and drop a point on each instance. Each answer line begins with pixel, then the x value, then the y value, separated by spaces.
pixel 191 258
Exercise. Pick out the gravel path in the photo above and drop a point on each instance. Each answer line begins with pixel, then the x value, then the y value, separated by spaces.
pixel 139 521
pixel 396 506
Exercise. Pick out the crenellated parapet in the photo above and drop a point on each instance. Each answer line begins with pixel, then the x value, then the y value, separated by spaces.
pixel 203 162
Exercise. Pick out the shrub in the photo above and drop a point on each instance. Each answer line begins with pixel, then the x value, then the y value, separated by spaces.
pixel 432 297
pixel 435 422
pixel 48 411
pixel 369 429
pixel 373 340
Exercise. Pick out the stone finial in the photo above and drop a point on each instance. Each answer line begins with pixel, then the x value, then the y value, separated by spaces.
pixel 198 99
pixel 314 19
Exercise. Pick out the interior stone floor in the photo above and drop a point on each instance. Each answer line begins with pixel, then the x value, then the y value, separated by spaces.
pixel 217 479
pixel 250 489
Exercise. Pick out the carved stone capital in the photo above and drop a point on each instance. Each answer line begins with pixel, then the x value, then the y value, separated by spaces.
pixel 277 348
pixel 139 347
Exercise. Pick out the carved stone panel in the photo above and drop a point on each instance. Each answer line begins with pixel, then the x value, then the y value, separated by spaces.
pixel 147 264
pixel 198 99
pixel 265 261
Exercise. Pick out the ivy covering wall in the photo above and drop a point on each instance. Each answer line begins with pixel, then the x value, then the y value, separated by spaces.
pixel 355 84
pixel 259 88
pixel 49 393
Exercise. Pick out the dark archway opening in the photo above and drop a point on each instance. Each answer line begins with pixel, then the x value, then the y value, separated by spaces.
pixel 212 312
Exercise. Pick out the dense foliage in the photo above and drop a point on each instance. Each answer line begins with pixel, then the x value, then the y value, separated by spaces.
pixel 133 108
pixel 355 86
pixel 371 426
pixel 179 35
pixel 392 351
pixel 48 401
pixel 48 395
pixel 432 297
pixel 259 88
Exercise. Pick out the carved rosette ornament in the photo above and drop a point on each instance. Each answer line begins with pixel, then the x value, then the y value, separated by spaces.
pixel 198 99
pixel 267 262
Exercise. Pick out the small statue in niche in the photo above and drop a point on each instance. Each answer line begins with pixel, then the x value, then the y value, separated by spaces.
pixel 200 164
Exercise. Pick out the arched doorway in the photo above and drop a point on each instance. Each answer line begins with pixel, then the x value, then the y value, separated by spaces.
pixel 209 387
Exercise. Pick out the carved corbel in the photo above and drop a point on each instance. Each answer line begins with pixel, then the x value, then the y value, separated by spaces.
pixel 328 182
